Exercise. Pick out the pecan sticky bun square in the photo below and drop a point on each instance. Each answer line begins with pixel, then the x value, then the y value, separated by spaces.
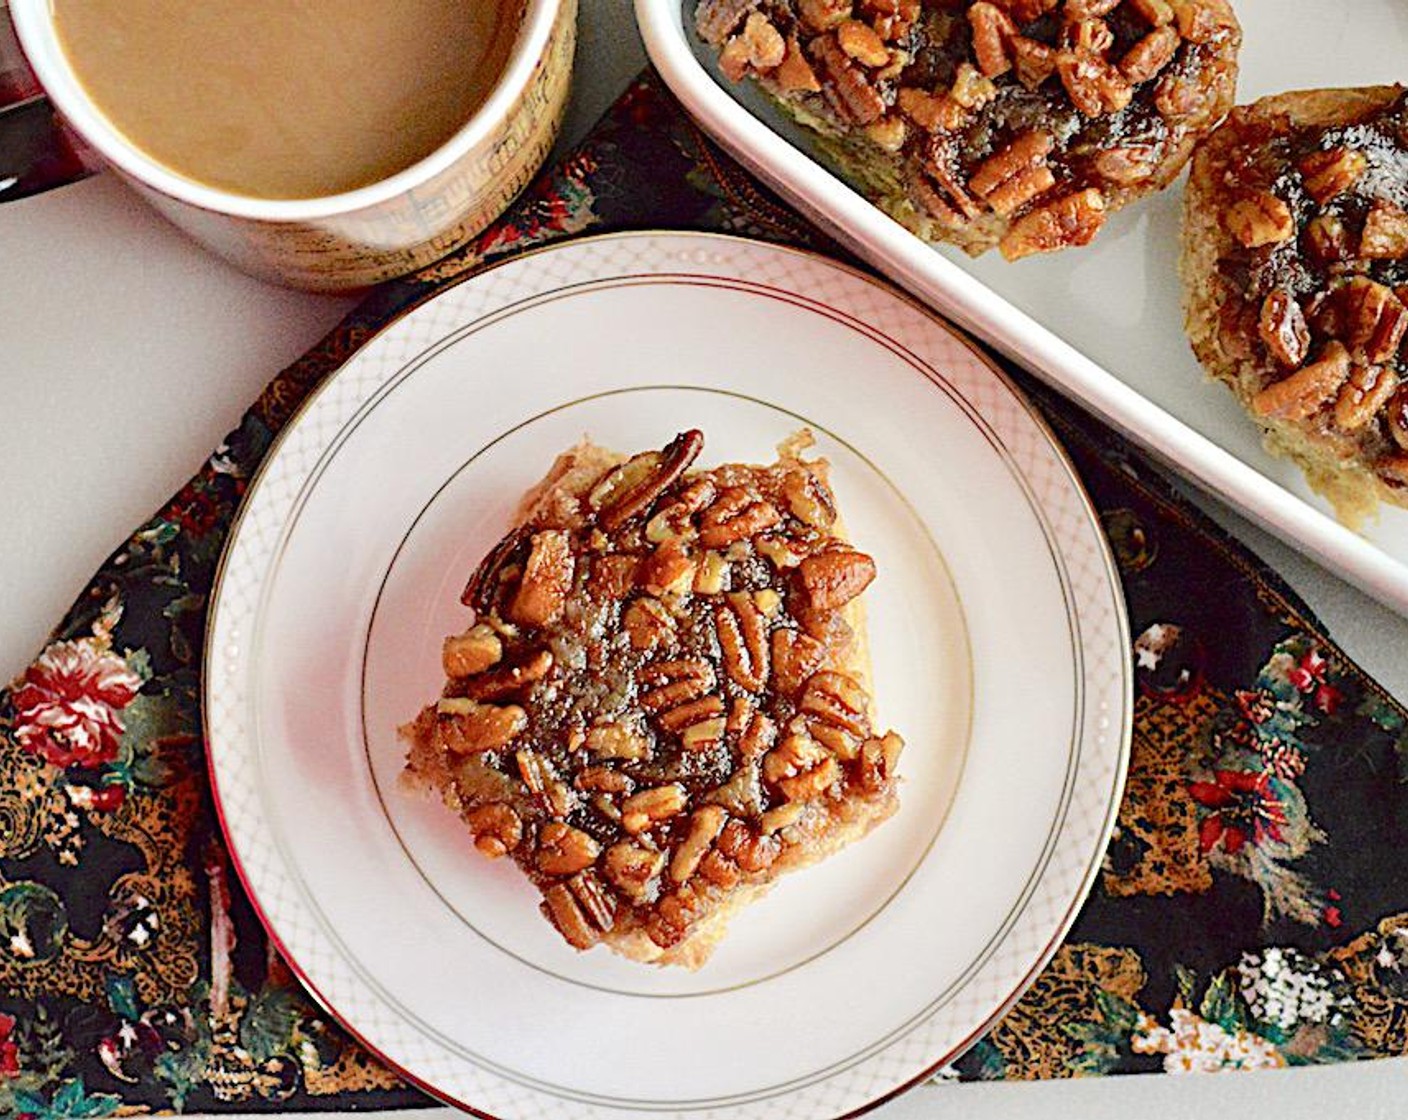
pixel 1019 124
pixel 662 702
pixel 1295 272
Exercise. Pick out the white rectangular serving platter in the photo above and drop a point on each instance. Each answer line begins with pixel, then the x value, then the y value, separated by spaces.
pixel 1102 324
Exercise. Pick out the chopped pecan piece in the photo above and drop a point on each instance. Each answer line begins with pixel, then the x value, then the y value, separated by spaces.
pixel 497 829
pixel 1090 9
pixel 851 90
pixel 970 89
pixel 794 73
pixel 704 827
pixel 800 767
pixel 766 46
pixel 1072 220
pixel 1385 235
pixel 832 579
pixel 1034 61
pixel 564 850
pixel 878 758
pixel 822 15
pixel 750 850
pixel 716 19
pixel 1307 390
pixel 1364 394
pixel 1326 239
pixel 1089 36
pixel 1024 12
pixel 1396 416
pixel 1284 330
pixel 888 133
pixel 860 42
pixel 547 578
pixel 465 726
pixel 1150 55
pixel 1374 318
pixel 1131 164
pixel 476 649
pixel 931 112
pixel 650 806
pixel 1260 219
pixel 1157 12
pixel 992 29
pixel 1094 85
pixel 1197 22
pixel 1330 173
pixel 631 868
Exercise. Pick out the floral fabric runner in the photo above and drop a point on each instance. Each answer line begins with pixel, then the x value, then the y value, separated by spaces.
pixel 1252 909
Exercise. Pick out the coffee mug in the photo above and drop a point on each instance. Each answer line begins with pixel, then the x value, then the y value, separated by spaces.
pixel 354 239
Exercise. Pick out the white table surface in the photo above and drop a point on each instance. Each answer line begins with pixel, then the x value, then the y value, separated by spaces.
pixel 126 353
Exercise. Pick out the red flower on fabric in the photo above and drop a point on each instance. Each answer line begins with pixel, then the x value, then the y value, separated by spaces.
pixel 68 705
pixel 1309 677
pixel 9 1052
pixel 195 509
pixel 1247 809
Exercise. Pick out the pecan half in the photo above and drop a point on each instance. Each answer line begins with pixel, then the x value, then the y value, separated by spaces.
pixel 743 639
pixel 751 851
pixel 1132 163
pixel 1283 329
pixel 625 493
pixel 483 585
pixel 543 783
pixel 849 88
pixel 692 712
pixel 808 499
pixel 675 683
pixel 1024 12
pixel 837 699
pixel 1304 392
pixel 506 680
pixel 1017 174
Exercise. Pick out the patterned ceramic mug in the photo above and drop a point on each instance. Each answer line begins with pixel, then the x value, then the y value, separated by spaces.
pixel 351 240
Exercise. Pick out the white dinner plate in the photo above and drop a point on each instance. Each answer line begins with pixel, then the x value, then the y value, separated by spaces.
pixel 998 638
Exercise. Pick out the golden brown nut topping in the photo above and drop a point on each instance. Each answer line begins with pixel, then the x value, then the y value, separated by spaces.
pixel 931 104
pixel 660 703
